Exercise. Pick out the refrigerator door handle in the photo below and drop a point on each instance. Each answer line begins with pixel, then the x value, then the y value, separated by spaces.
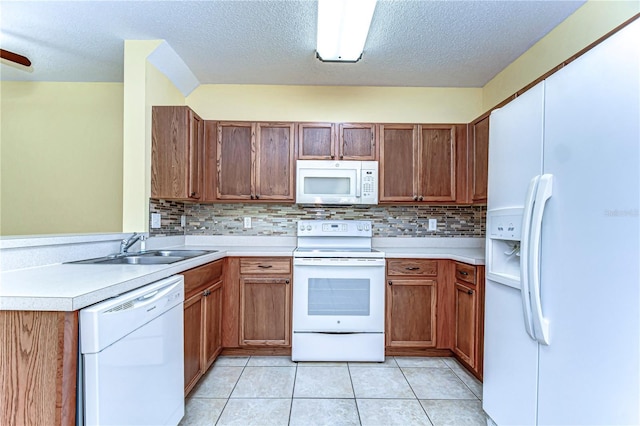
pixel 543 193
pixel 525 248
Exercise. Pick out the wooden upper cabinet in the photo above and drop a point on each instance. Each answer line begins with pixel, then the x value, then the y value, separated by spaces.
pixel 479 160
pixel 398 162
pixel 316 141
pixel 274 168
pixel 235 160
pixel 255 161
pixel 437 154
pixel 357 141
pixel 177 141
pixel 329 141
pixel 417 163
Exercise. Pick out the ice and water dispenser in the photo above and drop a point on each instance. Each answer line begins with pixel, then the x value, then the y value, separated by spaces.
pixel 504 230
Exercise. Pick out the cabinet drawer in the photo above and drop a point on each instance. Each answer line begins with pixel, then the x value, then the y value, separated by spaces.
pixel 265 265
pixel 418 267
pixel 466 273
pixel 197 278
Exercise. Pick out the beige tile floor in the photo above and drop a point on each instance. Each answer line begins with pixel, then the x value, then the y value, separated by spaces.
pixel 277 391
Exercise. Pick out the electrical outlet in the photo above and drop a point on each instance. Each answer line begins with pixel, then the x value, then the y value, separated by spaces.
pixel 183 221
pixel 433 224
pixel 155 220
pixel 247 222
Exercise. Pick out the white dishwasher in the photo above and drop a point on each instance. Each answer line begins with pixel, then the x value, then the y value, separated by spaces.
pixel 132 360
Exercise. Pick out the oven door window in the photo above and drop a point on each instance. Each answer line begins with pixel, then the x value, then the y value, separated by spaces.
pixel 339 297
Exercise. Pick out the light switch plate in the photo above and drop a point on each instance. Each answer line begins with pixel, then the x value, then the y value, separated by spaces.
pixel 433 224
pixel 247 222
pixel 183 220
pixel 155 220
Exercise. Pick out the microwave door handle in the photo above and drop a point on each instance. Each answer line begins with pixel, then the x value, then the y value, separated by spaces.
pixel 358 182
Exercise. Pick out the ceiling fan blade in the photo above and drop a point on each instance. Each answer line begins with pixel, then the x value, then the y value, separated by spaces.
pixel 14 57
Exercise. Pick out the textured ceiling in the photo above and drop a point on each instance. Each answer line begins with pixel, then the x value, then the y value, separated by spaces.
pixel 411 43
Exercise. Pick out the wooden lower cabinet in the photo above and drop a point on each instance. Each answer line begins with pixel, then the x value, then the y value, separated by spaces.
pixel 411 303
pixel 265 302
pixel 39 356
pixel 411 313
pixel 202 320
pixel 469 316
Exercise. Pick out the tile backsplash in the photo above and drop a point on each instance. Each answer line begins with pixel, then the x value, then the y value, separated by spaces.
pixel 281 219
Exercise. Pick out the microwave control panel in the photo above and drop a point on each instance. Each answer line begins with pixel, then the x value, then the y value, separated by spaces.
pixel 370 182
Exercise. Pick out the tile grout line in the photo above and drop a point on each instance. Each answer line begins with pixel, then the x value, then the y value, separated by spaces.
pixel 293 392
pixel 230 393
pixel 353 389
pixel 414 392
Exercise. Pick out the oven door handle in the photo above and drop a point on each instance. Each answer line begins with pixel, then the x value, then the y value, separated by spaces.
pixel 334 262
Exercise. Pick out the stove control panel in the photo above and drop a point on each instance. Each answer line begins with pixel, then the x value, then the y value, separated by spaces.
pixel 335 228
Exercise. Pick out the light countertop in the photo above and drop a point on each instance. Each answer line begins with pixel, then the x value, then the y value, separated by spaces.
pixel 69 287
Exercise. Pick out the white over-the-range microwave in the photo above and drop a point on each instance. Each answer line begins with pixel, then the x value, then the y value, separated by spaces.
pixel 336 182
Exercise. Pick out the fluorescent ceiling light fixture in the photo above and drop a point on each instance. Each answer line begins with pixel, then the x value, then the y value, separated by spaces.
pixel 343 26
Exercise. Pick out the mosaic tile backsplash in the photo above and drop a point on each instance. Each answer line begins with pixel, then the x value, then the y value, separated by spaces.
pixel 281 219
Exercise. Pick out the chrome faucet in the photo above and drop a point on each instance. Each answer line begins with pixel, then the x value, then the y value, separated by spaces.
pixel 127 243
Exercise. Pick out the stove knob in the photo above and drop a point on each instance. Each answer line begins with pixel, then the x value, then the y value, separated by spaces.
pixel 359 227
pixel 301 227
pixel 366 227
pixel 308 227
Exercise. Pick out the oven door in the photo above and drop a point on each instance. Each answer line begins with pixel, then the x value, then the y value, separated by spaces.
pixel 338 295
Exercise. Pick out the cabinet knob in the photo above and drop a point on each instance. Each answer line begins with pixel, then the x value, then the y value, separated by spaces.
pixel 415 198
pixel 341 157
pixel 333 157
pixel 251 196
pixel 390 282
pixel 420 198
pixel 257 196
pixel 469 291
pixel 286 281
pixel 193 195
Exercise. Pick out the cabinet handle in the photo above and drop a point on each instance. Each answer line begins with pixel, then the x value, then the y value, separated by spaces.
pixel 193 195
pixel 412 268
pixel 390 282
pixel 469 291
pixel 420 198
pixel 463 272
pixel 341 157
pixel 206 293
pixel 265 266
pixel 251 196
pixel 333 157
pixel 415 198
pixel 257 196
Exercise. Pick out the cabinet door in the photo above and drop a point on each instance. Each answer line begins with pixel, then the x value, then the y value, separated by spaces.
pixel 479 160
pixel 398 163
pixel 316 141
pixel 235 158
pixel 437 163
pixel 193 332
pixel 212 323
pixel 176 153
pixel 465 335
pixel 411 313
pixel 265 304
pixel 357 142
pixel 275 161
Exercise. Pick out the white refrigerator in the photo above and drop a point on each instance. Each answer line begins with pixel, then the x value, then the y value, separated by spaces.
pixel 562 308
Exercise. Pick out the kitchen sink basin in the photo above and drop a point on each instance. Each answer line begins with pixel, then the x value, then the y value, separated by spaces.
pixel 141 260
pixel 152 257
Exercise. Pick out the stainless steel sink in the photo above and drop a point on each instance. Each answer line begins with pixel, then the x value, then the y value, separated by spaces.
pixel 152 257
pixel 141 260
